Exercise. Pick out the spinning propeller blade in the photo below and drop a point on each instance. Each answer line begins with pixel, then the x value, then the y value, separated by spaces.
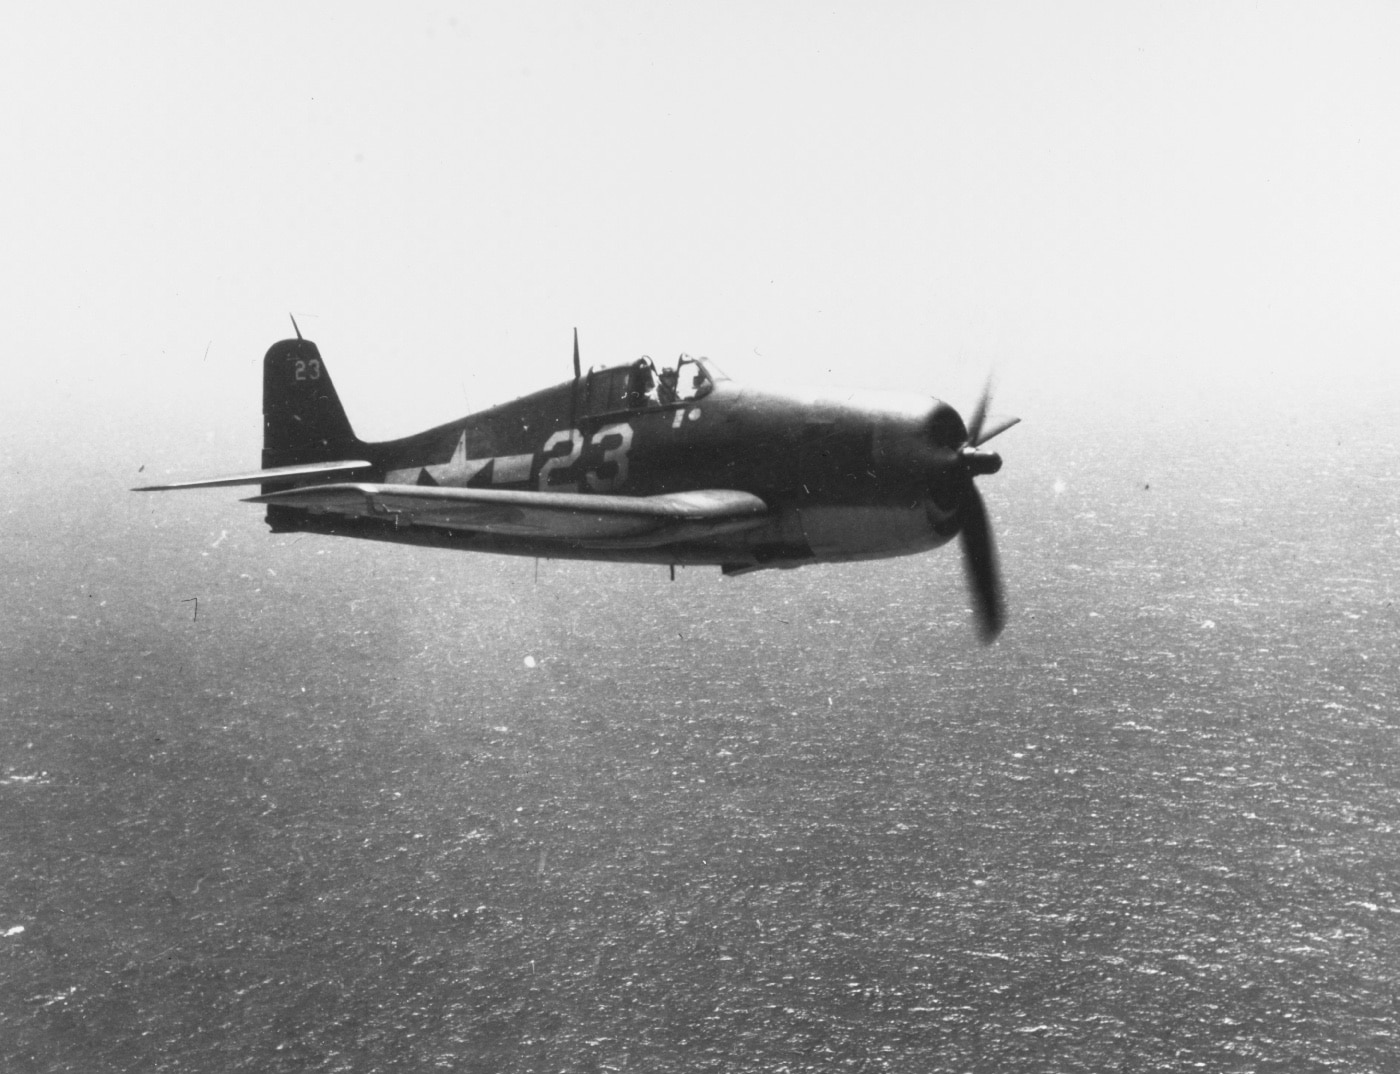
pixel 996 428
pixel 980 563
pixel 979 415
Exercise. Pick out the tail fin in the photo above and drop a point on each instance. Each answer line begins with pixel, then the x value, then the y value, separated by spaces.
pixel 303 420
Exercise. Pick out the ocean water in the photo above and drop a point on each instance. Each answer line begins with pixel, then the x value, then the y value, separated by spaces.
pixel 381 809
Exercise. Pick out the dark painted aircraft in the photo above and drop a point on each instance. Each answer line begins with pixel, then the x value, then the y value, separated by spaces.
pixel 638 464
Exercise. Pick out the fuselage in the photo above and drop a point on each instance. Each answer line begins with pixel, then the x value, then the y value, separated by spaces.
pixel 846 476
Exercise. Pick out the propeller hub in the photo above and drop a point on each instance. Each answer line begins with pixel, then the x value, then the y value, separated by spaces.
pixel 978 462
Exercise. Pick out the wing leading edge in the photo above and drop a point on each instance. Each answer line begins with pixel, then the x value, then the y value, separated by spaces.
pixel 587 520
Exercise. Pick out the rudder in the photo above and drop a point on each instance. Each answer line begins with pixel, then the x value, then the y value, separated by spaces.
pixel 303 420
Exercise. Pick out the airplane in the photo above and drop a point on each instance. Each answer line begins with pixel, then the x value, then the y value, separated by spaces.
pixel 631 463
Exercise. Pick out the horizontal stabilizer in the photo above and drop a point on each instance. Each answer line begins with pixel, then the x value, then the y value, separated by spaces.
pixel 592 521
pixel 259 477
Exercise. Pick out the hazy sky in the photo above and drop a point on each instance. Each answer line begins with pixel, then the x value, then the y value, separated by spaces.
pixel 887 193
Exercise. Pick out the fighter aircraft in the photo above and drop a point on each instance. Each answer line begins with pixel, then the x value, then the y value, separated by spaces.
pixel 640 464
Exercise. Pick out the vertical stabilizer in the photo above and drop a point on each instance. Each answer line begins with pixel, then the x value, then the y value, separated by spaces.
pixel 303 420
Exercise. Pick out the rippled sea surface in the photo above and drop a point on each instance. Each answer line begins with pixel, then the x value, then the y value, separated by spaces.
pixel 391 809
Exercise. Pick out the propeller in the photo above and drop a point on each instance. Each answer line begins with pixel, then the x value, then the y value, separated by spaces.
pixel 980 563
pixel 974 527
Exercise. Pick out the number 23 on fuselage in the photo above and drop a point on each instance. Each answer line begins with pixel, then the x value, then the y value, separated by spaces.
pixel 633 463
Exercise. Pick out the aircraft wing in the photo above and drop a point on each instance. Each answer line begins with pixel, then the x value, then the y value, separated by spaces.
pixel 587 520
pixel 258 477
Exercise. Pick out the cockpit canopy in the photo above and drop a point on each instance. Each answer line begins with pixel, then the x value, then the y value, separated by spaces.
pixel 641 385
